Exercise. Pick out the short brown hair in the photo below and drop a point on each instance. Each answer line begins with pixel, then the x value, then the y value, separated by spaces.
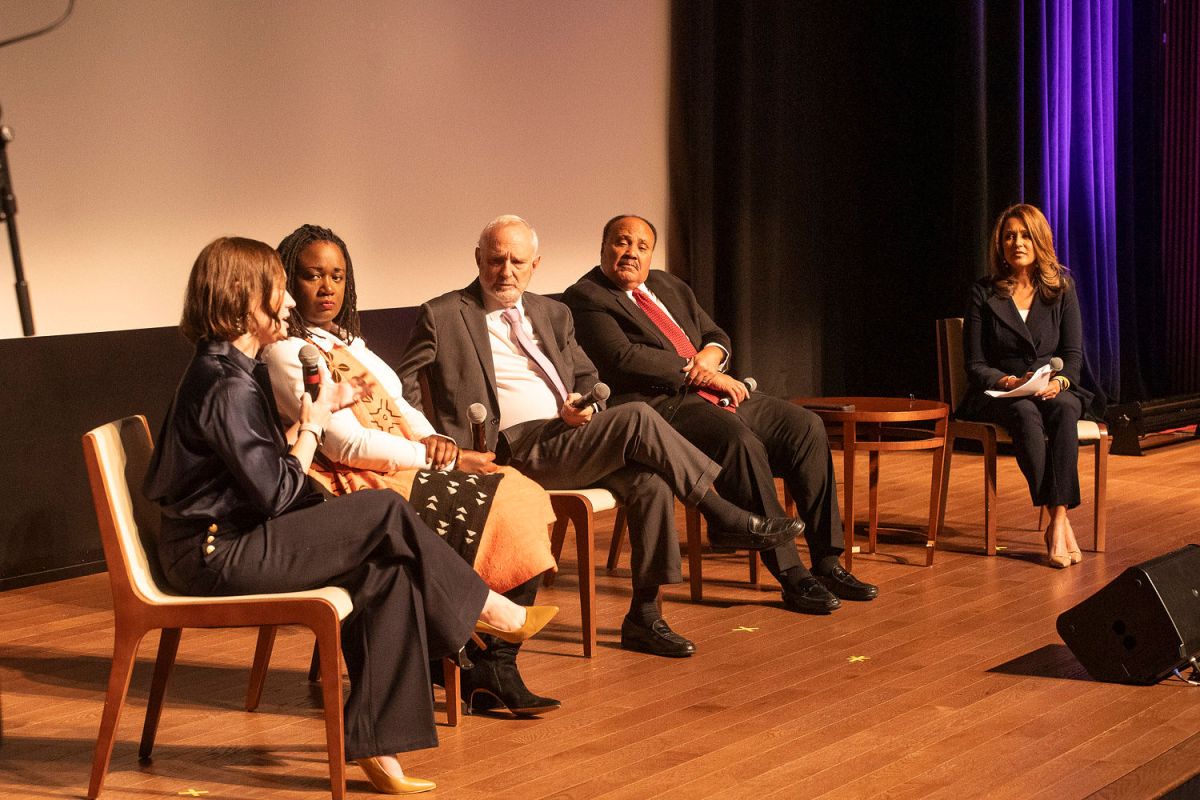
pixel 231 279
pixel 1050 278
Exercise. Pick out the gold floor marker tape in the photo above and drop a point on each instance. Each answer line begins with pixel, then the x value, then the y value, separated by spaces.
pixel 744 629
pixel 193 792
pixel 858 659
pixel 1001 547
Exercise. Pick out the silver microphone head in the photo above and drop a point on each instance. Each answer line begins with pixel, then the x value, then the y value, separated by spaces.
pixel 1056 364
pixel 751 384
pixel 309 356
pixel 601 391
pixel 476 413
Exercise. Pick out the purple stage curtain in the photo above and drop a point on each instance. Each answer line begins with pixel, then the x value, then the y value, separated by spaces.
pixel 1181 193
pixel 1078 59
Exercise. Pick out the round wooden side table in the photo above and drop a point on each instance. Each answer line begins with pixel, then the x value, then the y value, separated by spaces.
pixel 876 425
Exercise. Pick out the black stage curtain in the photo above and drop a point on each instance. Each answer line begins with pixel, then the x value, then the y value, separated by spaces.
pixel 836 168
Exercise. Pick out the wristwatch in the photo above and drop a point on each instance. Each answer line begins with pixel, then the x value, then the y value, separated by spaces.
pixel 315 429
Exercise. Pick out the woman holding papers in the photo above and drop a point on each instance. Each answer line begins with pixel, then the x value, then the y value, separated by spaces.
pixel 1021 315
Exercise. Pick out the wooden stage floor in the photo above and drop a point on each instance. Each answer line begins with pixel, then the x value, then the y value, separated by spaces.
pixel 952 684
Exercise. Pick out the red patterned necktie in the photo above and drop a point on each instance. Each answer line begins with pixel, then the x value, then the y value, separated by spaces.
pixel 683 345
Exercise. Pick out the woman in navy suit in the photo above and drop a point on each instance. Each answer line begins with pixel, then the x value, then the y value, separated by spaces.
pixel 1023 313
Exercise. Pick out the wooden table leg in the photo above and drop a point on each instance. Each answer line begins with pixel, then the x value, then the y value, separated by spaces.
pixel 936 488
pixel 849 445
pixel 873 501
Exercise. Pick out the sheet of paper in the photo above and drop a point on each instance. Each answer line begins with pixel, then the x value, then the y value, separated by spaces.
pixel 1029 388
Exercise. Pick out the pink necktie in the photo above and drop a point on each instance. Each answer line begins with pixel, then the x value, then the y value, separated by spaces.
pixel 541 364
pixel 675 334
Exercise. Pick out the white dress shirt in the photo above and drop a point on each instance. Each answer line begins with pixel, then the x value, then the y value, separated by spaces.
pixel 523 393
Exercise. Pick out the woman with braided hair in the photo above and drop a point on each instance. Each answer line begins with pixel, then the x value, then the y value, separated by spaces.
pixel 496 518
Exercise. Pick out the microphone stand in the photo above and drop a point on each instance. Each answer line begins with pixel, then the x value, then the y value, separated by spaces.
pixel 8 213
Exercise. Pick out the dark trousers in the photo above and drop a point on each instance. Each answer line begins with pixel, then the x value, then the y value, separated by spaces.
pixel 632 452
pixel 1045 441
pixel 767 437
pixel 414 598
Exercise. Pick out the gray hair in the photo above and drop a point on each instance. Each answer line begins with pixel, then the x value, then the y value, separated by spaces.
pixel 503 221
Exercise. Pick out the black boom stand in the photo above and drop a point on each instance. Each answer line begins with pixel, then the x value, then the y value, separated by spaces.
pixel 8 213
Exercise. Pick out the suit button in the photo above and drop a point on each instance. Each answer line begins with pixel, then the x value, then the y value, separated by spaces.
pixel 495 421
pixel 209 549
pixel 212 528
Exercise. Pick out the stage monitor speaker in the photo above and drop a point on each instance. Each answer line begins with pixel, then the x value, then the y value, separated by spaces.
pixel 1143 625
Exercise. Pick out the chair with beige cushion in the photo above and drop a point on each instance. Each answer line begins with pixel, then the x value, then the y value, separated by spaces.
pixel 117 455
pixel 952 388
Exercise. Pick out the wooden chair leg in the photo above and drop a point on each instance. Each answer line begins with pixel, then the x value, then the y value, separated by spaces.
pixel 695 550
pixel 936 491
pixel 1100 518
pixel 314 666
pixel 329 636
pixel 168 646
pixel 989 494
pixel 452 677
pixel 789 502
pixel 945 478
pixel 753 558
pixel 557 536
pixel 125 647
pixel 585 543
pixel 618 540
pixel 262 660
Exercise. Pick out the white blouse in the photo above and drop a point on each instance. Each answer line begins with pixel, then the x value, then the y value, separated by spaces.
pixel 347 442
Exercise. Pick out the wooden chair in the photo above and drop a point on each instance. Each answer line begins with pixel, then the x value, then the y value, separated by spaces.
pixel 952 388
pixel 578 508
pixel 117 455
pixel 695 551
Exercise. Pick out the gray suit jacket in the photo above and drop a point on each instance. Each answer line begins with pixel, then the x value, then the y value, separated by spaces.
pixel 450 344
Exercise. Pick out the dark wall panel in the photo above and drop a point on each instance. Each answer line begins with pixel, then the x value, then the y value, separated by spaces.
pixel 64 386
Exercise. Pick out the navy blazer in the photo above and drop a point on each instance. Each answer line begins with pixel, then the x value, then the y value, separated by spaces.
pixel 450 341
pixel 996 342
pixel 636 359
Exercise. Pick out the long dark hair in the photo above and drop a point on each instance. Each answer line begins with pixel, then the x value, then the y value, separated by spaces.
pixel 289 252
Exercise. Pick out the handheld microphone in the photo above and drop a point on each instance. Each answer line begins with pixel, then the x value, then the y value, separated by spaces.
pixel 477 414
pixel 1056 364
pixel 751 387
pixel 309 357
pixel 599 393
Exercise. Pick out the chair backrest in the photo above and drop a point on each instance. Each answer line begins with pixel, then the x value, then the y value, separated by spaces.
pixel 117 456
pixel 952 371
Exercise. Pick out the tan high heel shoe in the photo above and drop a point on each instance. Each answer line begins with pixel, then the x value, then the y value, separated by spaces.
pixel 1075 555
pixel 1058 562
pixel 536 618
pixel 387 783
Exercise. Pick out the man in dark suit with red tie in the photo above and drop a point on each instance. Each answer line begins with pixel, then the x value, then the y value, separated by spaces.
pixel 515 352
pixel 652 342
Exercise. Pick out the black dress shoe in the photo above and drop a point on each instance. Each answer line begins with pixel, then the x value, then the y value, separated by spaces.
pixel 810 597
pixel 848 587
pixel 493 685
pixel 761 533
pixel 658 639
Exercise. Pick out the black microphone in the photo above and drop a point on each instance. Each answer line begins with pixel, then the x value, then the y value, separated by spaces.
pixel 309 357
pixel 751 386
pixel 477 414
pixel 599 393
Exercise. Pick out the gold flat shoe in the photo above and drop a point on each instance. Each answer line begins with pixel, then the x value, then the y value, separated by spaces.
pixel 387 783
pixel 536 618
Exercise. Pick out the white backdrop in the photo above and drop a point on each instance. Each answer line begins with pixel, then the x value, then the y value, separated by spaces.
pixel 146 128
